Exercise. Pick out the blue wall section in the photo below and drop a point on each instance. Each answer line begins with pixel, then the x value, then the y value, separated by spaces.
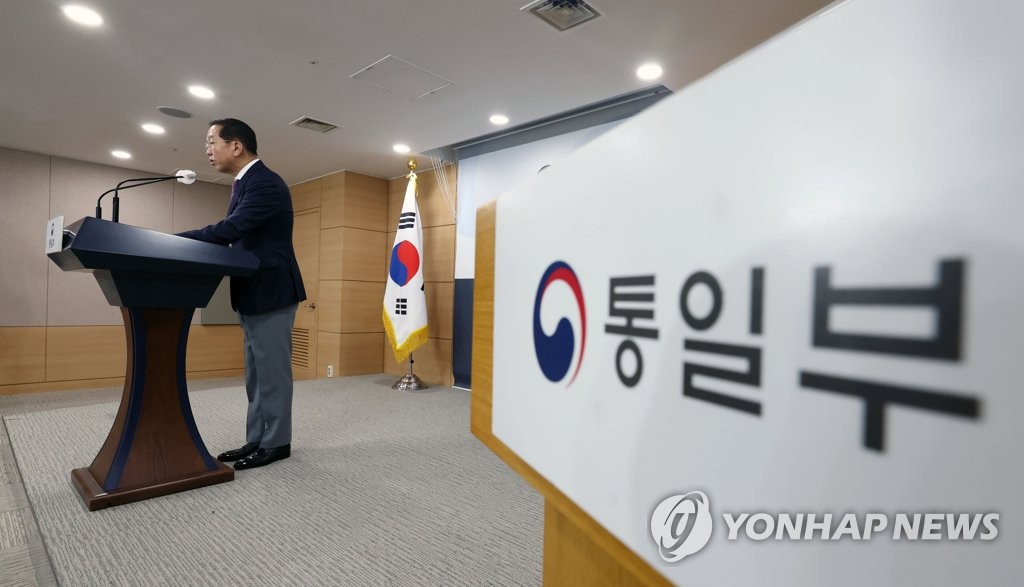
pixel 462 333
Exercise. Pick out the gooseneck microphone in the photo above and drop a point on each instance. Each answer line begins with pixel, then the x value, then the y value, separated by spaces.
pixel 185 176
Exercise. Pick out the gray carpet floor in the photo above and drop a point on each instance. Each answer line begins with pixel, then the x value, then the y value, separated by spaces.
pixel 383 488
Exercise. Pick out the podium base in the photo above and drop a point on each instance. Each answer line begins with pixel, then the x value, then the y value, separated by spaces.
pixel 96 498
pixel 409 382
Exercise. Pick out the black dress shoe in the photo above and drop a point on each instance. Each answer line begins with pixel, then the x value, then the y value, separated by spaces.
pixel 238 453
pixel 264 456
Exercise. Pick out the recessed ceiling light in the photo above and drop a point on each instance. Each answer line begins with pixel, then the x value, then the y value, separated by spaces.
pixel 82 15
pixel 401 149
pixel 121 154
pixel 499 119
pixel 201 92
pixel 155 129
pixel 649 71
pixel 176 113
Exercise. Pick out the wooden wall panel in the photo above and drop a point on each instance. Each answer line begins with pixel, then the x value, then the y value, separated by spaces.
pixel 332 204
pixel 86 357
pixel 352 254
pixel 331 253
pixel 433 361
pixel 354 200
pixel 75 384
pixel 329 307
pixel 360 354
pixel 389 242
pixel 22 355
pixel 328 352
pixel 362 306
pixel 85 352
pixel 434 208
pixel 363 253
pixel 366 202
pixel 439 252
pixel 440 308
pixel 306 195
pixel 213 348
pixel 396 195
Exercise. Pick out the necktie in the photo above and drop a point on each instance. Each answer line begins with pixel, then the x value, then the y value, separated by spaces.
pixel 234 195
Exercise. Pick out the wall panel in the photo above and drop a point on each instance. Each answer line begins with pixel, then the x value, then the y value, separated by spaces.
pixel 332 203
pixel 362 255
pixel 306 195
pixel 440 298
pixel 360 354
pixel 354 200
pixel 328 352
pixel 366 202
pixel 331 253
pixel 22 355
pixel 85 352
pixel 329 307
pixel 439 253
pixel 212 348
pixel 435 209
pixel 25 191
pixel 362 306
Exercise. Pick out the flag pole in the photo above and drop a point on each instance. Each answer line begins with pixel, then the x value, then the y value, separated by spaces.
pixel 410 382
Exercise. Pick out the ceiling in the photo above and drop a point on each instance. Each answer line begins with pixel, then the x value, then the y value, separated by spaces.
pixel 77 92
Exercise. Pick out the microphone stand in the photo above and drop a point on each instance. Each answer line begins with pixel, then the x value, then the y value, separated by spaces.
pixel 117 200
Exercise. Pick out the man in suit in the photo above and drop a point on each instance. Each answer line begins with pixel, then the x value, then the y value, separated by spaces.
pixel 259 219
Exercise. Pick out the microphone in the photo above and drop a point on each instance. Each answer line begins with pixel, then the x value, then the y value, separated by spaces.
pixel 185 176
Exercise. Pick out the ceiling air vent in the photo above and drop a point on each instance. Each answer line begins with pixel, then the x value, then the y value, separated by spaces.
pixel 313 124
pixel 562 14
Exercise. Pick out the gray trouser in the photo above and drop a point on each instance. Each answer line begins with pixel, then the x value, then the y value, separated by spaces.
pixel 268 376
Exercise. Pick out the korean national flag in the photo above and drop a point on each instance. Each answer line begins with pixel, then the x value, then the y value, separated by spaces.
pixel 405 305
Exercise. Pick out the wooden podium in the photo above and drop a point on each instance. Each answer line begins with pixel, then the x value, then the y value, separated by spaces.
pixel 577 549
pixel 158 280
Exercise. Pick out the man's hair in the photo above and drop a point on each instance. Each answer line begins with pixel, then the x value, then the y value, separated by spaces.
pixel 232 129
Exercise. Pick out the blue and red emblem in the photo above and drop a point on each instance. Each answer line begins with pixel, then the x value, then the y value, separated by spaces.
pixel 405 262
pixel 555 352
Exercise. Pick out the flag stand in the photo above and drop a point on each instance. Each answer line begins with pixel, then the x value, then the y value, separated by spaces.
pixel 409 381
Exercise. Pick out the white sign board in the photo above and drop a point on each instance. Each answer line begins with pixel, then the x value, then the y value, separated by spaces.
pixel 768 331
pixel 54 234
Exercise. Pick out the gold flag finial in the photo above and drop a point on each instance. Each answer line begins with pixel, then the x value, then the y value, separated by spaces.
pixel 411 164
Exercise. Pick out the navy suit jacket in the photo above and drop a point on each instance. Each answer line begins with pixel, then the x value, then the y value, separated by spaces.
pixel 260 220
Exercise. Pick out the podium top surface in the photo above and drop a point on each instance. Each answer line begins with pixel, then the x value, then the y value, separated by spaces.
pixel 95 244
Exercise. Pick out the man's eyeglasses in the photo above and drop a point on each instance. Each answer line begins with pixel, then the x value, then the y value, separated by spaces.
pixel 208 144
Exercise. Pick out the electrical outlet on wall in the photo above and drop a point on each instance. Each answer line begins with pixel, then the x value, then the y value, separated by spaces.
pixel 330 370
